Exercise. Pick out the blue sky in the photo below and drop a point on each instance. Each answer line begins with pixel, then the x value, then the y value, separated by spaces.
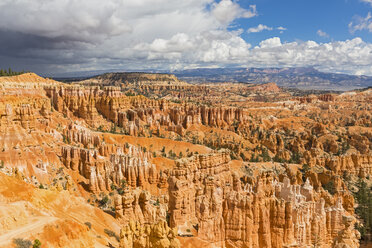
pixel 303 18
pixel 56 37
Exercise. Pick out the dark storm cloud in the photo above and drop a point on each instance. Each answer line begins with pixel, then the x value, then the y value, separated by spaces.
pixel 32 52
pixel 49 36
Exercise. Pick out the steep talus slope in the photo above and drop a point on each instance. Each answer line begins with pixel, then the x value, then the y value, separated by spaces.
pixel 54 217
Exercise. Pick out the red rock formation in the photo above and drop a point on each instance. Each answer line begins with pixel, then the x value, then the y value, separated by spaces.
pixel 137 205
pixel 129 164
pixel 355 164
pixel 206 197
pixel 157 235
pixel 327 97
pixel 268 87
pixel 265 214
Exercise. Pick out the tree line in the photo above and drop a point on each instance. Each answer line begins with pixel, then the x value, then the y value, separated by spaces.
pixel 10 72
pixel 364 210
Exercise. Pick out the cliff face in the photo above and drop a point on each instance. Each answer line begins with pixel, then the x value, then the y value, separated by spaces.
pixel 207 196
pixel 267 213
pixel 234 173
pixel 356 164
pixel 140 116
pixel 156 235
pixel 133 113
pixel 106 165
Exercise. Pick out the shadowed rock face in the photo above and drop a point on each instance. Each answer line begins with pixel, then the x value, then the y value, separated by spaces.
pixel 274 174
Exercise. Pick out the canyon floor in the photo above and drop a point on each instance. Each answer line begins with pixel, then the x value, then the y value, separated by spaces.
pixel 147 160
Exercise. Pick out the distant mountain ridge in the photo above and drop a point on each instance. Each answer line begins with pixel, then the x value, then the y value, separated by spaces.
pixel 306 78
pixel 297 77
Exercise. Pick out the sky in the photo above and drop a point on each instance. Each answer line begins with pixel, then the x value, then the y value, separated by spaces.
pixel 55 37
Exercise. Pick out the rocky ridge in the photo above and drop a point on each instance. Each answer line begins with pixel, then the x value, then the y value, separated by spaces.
pixel 277 174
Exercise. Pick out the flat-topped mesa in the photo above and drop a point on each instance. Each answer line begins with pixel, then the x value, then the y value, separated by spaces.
pixel 133 77
pixel 26 81
pixel 125 79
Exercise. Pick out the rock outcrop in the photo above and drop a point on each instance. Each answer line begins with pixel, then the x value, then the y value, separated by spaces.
pixel 137 205
pixel 295 159
pixel 267 213
pixel 157 235
pixel 130 165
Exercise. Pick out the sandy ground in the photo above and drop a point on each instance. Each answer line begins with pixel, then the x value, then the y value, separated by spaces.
pixel 23 231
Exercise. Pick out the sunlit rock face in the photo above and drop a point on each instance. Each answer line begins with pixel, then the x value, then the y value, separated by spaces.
pixel 224 169
pixel 204 193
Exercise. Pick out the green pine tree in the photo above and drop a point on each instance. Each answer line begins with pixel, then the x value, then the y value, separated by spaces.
pixel 364 209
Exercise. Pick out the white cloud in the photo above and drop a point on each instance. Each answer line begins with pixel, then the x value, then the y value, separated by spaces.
pixel 270 43
pixel 70 35
pixel 93 21
pixel 350 56
pixel 367 1
pixel 259 28
pixel 226 11
pixel 361 23
pixel 96 21
pixel 220 48
pixel 322 33
pixel 204 48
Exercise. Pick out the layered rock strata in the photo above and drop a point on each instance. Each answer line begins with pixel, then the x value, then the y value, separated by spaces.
pixel 157 235
pixel 129 164
pixel 267 213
